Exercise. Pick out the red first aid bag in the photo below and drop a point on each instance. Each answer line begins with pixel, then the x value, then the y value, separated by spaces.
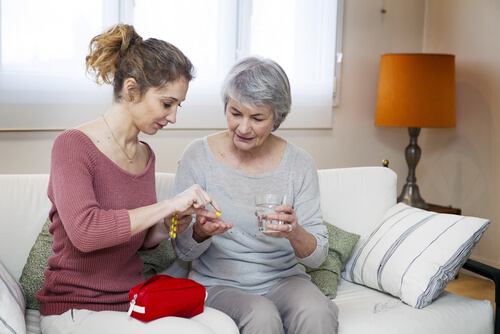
pixel 163 296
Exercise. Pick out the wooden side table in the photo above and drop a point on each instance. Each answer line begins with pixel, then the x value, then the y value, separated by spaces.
pixel 444 209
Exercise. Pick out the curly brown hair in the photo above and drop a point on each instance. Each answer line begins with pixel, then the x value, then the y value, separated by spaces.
pixel 120 53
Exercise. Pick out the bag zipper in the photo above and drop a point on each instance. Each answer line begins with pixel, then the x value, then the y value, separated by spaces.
pixel 132 304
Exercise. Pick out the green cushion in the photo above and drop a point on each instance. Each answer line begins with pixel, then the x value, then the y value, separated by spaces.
pixel 159 259
pixel 32 277
pixel 327 276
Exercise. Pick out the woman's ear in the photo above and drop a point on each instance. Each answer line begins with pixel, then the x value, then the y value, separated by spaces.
pixel 277 122
pixel 131 90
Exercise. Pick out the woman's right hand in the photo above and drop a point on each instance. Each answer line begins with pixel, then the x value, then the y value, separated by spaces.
pixel 193 201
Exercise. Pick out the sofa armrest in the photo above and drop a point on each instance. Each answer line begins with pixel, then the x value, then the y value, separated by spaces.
pixel 491 273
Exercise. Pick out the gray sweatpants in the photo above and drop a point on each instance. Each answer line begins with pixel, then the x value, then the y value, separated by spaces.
pixel 293 306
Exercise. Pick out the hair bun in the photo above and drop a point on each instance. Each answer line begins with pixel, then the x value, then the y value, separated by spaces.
pixel 128 37
pixel 120 53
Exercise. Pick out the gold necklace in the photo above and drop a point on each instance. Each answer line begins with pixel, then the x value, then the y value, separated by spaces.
pixel 130 160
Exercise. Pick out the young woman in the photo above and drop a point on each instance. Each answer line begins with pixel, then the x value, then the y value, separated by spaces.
pixel 102 188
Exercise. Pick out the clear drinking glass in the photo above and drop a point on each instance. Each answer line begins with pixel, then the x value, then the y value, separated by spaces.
pixel 265 205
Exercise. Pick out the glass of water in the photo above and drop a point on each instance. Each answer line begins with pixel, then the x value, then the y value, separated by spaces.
pixel 265 205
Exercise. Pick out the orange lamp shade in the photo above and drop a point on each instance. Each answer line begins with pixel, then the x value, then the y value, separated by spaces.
pixel 416 90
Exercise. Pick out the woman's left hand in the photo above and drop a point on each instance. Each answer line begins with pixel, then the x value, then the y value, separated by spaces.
pixel 161 230
pixel 183 223
pixel 290 227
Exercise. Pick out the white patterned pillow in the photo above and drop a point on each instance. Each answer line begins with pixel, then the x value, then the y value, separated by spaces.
pixel 413 254
pixel 12 303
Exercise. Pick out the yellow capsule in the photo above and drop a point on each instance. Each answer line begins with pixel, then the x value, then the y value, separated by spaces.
pixel 218 213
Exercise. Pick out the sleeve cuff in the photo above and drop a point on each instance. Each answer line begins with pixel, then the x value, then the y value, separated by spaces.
pixel 318 256
pixel 123 226
pixel 189 249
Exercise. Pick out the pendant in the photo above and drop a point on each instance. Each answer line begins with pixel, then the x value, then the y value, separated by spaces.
pixel 129 161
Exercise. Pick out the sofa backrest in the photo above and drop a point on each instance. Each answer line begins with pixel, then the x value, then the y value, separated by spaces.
pixel 164 185
pixel 356 198
pixel 24 207
pixel 350 197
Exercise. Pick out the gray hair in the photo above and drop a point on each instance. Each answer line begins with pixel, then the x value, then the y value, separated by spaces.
pixel 258 82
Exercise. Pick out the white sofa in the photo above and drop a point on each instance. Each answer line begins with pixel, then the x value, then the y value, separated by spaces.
pixel 350 197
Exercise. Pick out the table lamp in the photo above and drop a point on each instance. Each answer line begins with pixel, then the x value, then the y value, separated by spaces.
pixel 415 91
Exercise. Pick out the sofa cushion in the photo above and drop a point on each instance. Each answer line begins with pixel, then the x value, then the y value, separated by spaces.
pixel 12 304
pixel 24 205
pixel 413 253
pixel 355 199
pixel 32 277
pixel 364 310
pixel 327 276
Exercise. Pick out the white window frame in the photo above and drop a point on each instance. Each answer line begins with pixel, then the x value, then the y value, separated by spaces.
pixel 34 107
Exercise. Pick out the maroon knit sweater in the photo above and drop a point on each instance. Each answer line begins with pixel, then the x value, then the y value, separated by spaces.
pixel 95 262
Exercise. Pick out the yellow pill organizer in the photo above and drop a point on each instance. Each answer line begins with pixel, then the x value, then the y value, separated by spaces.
pixel 173 227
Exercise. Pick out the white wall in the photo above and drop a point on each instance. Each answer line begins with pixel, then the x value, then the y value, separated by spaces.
pixel 457 166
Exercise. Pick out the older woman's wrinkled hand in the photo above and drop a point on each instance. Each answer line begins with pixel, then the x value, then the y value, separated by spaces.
pixel 303 242
pixel 290 227
pixel 205 227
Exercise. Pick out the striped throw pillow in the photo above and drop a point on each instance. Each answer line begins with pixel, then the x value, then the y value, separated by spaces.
pixel 413 253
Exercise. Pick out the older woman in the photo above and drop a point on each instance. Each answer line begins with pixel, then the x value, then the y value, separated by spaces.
pixel 257 277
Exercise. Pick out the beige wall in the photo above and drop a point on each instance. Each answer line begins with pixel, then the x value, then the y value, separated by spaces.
pixel 457 165
pixel 463 165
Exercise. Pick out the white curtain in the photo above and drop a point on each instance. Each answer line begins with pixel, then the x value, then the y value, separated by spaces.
pixel 44 43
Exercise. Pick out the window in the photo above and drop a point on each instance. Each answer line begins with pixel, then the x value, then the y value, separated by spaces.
pixel 43 45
